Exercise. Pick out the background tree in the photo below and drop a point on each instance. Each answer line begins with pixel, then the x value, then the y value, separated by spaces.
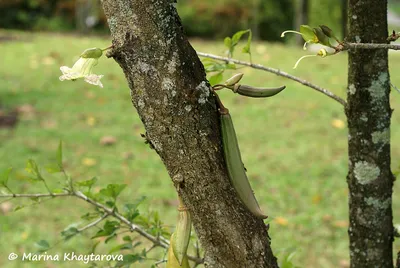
pixel 368 112
pixel 344 23
pixel 303 7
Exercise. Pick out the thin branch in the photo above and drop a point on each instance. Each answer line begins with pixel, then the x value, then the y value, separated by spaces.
pixel 105 215
pixel 161 241
pixel 134 228
pixel 393 86
pixel 277 72
pixel 370 46
pixel 35 195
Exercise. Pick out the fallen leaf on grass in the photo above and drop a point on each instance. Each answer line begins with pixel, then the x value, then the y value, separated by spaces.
pixel 26 110
pixel 48 124
pixel 344 264
pixel 90 94
pixel 89 162
pixel 127 155
pixel 281 221
pixel 91 121
pixel 24 235
pixel 341 224
pixel 108 140
pixel 316 199
pixel 6 207
pixel 327 217
pixel 337 123
pixel 48 61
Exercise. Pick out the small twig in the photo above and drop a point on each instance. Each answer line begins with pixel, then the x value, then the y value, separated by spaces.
pixel 34 195
pixel 134 228
pixel 151 248
pixel 109 47
pixel 159 262
pixel 347 46
pixel 277 72
pixel 393 86
pixel 105 215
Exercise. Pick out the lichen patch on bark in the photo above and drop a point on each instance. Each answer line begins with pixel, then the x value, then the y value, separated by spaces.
pixel 377 88
pixel 366 172
pixel 382 137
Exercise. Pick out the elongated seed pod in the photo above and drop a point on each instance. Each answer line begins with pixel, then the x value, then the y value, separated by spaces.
pixel 182 232
pixel 172 262
pixel 256 92
pixel 236 171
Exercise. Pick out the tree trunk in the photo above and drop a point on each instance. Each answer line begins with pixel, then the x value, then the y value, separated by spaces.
pixel 344 8
pixel 302 17
pixel 172 96
pixel 370 179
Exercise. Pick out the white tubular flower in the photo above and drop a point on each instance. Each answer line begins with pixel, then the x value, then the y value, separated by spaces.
pixel 83 68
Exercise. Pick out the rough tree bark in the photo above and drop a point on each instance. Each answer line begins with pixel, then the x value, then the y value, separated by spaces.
pixel 370 179
pixel 172 96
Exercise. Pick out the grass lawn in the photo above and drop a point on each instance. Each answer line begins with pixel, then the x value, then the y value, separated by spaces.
pixel 294 147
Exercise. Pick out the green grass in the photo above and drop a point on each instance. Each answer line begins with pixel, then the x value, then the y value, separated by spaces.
pixel 296 159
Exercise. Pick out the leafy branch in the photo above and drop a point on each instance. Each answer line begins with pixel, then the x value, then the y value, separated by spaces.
pixel 277 72
pixel 156 241
pixel 104 202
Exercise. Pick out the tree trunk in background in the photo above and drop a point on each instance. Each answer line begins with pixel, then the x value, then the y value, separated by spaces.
pixel 254 22
pixel 172 96
pixel 344 8
pixel 302 17
pixel 370 179
pixel 86 14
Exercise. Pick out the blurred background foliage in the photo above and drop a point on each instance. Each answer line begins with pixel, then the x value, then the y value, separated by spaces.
pixel 206 18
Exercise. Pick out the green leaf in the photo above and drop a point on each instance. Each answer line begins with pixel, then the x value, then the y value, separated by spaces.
pixel 18 208
pixel 308 34
pixel 231 66
pixel 35 199
pixel 4 176
pixel 127 238
pixel 94 246
pixel 322 38
pixel 129 259
pixel 59 155
pixel 108 229
pixel 32 168
pixel 58 191
pixel 87 183
pixel 237 36
pixel 120 247
pixel 69 233
pixel 113 190
pixel 213 66
pixel 246 48
pixel 228 42
pixel 43 245
pixel 90 216
pixel 114 235
pixel 327 31
pixel 131 211
pixel 53 168
pixel 216 78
